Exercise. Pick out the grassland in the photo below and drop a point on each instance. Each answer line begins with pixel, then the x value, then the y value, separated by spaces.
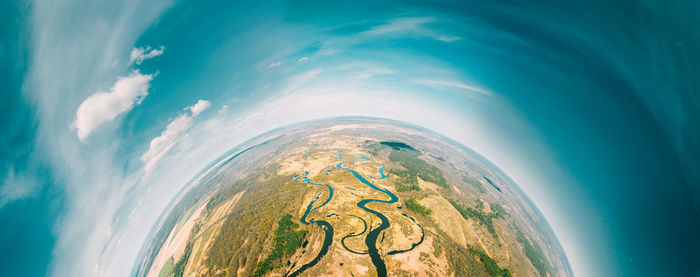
pixel 534 254
pixel 481 217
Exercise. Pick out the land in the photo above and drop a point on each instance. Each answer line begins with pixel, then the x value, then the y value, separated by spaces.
pixel 308 205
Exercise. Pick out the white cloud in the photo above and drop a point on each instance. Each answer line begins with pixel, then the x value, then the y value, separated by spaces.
pixel 171 136
pixel 200 106
pixel 411 26
pixel 141 54
pixel 161 145
pixel 223 110
pixel 303 59
pixel 453 84
pixel 101 107
pixel 275 64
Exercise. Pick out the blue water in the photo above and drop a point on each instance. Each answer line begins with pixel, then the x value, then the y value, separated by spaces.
pixel 352 235
pixel 327 227
pixel 371 238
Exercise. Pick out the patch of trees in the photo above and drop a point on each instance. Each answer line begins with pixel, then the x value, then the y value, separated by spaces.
pixel 413 205
pixel 489 263
pixel 417 167
pixel 286 241
pixel 179 268
pixel 406 182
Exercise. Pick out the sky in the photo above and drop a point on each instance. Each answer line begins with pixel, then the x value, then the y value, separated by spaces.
pixel 109 108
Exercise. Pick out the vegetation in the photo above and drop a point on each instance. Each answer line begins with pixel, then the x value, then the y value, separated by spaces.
pixel 489 263
pixel 480 216
pixel 205 236
pixel 237 246
pixel 479 187
pixel 404 188
pixel 417 167
pixel 406 182
pixel 498 209
pixel 185 217
pixel 167 268
pixel 534 254
pixel 372 148
pixel 458 258
pixel 413 205
pixel 179 268
pixel 287 240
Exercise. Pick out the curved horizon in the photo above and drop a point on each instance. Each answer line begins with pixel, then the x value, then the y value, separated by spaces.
pixel 112 111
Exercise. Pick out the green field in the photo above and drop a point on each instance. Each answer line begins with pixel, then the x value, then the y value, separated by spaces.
pixel 167 268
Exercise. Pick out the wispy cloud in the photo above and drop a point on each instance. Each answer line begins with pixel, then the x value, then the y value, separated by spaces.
pixel 364 70
pixel 140 54
pixel 275 64
pixel 171 136
pixel 400 25
pixel 72 57
pixel 300 80
pixel 303 59
pixel 415 26
pixel 424 27
pixel 17 186
pixel 452 84
pixel 101 107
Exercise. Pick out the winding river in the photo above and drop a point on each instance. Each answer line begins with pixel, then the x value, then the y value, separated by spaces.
pixel 373 234
pixel 371 238
pixel 327 227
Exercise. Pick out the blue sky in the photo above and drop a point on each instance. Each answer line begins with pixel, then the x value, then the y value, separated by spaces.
pixel 110 108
